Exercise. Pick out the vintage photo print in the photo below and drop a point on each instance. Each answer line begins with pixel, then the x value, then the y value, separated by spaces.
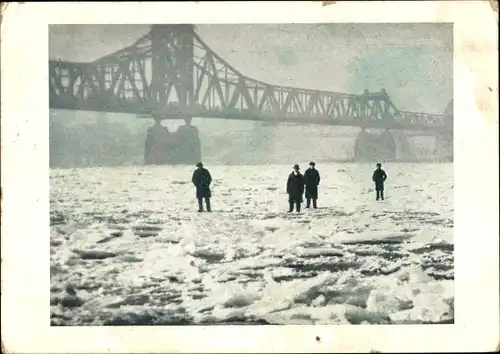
pixel 238 176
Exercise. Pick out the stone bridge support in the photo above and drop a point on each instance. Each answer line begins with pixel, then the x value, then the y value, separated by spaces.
pixel 158 143
pixel 444 140
pixel 182 147
pixel 187 149
pixel 444 146
pixel 403 148
pixel 373 147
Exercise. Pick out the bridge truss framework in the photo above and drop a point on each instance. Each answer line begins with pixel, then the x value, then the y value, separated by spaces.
pixel 170 73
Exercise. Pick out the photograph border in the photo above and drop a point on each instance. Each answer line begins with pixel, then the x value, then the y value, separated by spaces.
pixel 25 183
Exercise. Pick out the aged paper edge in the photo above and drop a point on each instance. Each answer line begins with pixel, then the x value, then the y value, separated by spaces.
pixel 25 270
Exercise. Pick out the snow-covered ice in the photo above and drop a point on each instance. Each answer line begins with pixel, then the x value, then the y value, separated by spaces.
pixel 128 247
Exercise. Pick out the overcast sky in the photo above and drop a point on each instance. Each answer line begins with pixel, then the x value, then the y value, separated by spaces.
pixel 413 62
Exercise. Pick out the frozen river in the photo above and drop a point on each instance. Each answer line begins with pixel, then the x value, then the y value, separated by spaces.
pixel 128 247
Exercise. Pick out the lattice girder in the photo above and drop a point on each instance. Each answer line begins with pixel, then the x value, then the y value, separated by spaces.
pixel 171 73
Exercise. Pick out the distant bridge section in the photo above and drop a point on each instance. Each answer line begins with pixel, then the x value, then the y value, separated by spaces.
pixel 170 73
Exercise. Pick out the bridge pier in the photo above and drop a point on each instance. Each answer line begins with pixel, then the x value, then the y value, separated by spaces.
pixel 182 147
pixel 444 140
pixel 403 148
pixel 158 141
pixel 187 150
pixel 372 147
pixel 444 146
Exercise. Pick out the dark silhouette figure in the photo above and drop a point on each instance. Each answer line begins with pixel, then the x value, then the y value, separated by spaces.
pixel 295 188
pixel 379 177
pixel 311 180
pixel 202 179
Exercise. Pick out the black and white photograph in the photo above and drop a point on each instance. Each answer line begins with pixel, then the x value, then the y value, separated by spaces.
pixel 256 177
pixel 251 174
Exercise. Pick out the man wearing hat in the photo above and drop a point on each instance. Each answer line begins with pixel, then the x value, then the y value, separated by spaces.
pixel 202 179
pixel 379 177
pixel 311 180
pixel 295 188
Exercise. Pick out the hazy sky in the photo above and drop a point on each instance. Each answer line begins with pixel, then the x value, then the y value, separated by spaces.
pixel 413 62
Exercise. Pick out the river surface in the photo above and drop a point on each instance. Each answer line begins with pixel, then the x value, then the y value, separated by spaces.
pixel 129 248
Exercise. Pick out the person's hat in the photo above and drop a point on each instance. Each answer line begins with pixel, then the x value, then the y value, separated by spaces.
pixel 379 164
pixel 199 164
pixel 312 163
pixel 296 167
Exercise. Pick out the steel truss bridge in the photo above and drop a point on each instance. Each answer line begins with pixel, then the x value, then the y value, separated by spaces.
pixel 171 73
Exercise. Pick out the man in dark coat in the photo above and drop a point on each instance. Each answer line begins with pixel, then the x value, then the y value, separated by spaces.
pixel 202 179
pixel 379 177
pixel 311 180
pixel 295 188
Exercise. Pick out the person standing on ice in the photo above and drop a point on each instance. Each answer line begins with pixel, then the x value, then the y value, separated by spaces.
pixel 295 188
pixel 311 180
pixel 379 177
pixel 202 179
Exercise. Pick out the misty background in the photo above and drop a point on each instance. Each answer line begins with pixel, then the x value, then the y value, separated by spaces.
pixel 413 62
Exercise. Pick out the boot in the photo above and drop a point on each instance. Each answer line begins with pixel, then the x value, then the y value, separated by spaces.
pixel 291 207
pixel 207 201
pixel 382 195
pixel 315 206
pixel 200 205
pixel 308 203
pixel 297 207
pixel 378 195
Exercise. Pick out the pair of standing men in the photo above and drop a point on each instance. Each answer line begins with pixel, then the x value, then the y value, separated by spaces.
pixel 296 183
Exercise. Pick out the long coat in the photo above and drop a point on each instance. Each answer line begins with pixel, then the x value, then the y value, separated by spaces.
pixel 311 180
pixel 379 177
pixel 202 179
pixel 295 187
